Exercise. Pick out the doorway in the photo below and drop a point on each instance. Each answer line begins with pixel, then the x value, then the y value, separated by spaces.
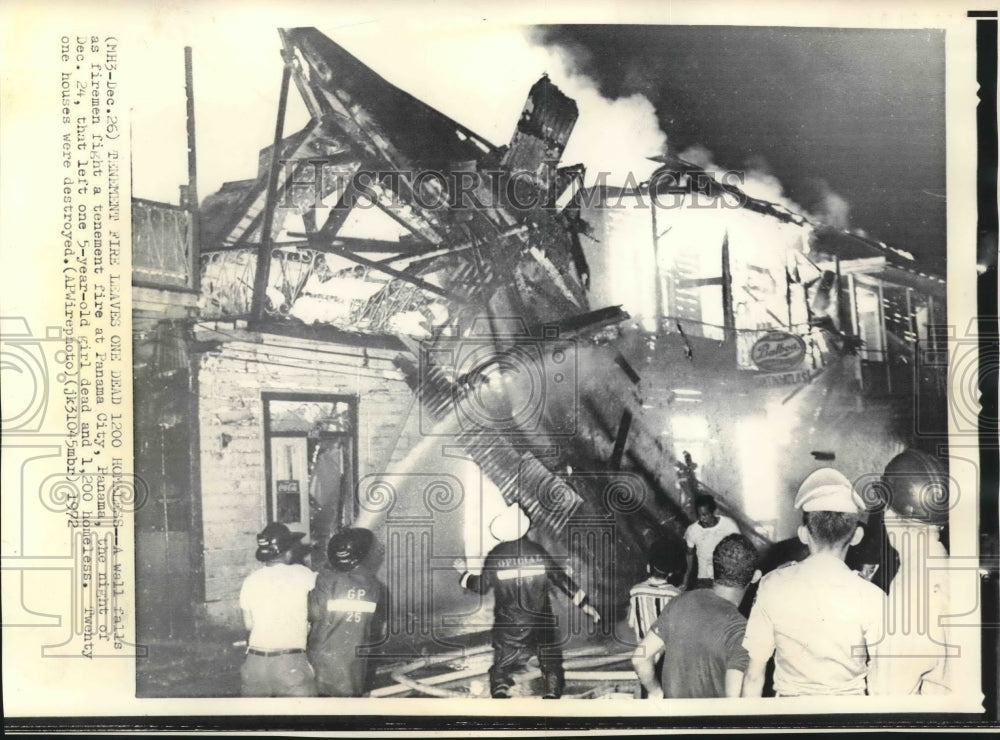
pixel 311 465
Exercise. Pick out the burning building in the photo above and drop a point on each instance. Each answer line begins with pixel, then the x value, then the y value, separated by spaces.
pixel 775 338
pixel 400 325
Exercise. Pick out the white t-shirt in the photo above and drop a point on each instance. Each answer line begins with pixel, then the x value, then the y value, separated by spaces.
pixel 277 597
pixel 704 540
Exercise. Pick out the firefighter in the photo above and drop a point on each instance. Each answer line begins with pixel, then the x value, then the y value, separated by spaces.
pixel 274 604
pixel 520 573
pixel 347 611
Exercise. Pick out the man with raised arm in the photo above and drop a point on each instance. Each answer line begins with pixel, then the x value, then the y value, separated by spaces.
pixel 521 573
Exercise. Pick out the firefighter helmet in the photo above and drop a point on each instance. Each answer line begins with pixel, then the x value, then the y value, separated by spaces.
pixel 348 547
pixel 511 524
pixel 275 540
pixel 915 485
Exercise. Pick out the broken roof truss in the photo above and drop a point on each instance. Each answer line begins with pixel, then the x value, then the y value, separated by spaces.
pixel 463 246
pixel 479 237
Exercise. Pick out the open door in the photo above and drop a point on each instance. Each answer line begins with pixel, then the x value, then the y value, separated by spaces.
pixel 311 456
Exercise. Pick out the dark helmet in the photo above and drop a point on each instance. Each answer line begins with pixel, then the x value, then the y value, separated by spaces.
pixel 274 540
pixel 667 556
pixel 916 487
pixel 348 547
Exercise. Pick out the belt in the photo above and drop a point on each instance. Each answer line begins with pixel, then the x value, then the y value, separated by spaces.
pixel 272 653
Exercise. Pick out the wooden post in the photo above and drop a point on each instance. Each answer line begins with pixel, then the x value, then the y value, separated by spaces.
pixel 788 293
pixel 883 340
pixel 852 310
pixel 264 252
pixel 728 319
pixel 192 187
pixel 658 281
pixel 838 288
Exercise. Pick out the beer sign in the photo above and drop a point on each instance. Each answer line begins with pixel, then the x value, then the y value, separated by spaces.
pixel 778 351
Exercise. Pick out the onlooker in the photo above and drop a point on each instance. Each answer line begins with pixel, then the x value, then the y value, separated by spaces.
pixel 817 617
pixel 274 603
pixel 917 656
pixel 780 554
pixel 702 537
pixel 348 613
pixel 647 598
pixel 874 558
pixel 519 572
pixel 700 633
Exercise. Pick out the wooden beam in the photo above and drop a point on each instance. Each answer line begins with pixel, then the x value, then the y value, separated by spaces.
pixel 422 284
pixel 282 187
pixel 866 264
pixel 402 249
pixel 338 214
pixel 264 252
pixel 428 254
pixel 194 257
pixel 699 282
pixel 620 439
pixel 249 199
pixel 728 316
pixel 327 333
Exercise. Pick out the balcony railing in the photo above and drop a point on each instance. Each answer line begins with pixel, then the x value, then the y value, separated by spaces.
pixel 162 254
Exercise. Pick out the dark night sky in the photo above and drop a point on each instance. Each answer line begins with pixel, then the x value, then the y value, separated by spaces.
pixel 862 110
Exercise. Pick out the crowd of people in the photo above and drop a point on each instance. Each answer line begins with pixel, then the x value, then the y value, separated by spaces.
pixel 824 628
pixel 707 622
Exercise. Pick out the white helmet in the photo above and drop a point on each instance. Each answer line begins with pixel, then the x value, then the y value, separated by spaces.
pixel 511 524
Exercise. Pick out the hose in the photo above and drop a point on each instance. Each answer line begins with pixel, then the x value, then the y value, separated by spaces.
pixel 429 660
pixel 429 686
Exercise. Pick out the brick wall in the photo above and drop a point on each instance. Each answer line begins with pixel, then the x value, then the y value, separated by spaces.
pixel 231 432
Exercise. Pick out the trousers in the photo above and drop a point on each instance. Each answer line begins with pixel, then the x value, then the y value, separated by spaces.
pixel 512 649
pixel 277 675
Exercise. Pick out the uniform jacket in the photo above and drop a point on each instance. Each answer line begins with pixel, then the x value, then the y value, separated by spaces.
pixel 347 611
pixel 520 574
